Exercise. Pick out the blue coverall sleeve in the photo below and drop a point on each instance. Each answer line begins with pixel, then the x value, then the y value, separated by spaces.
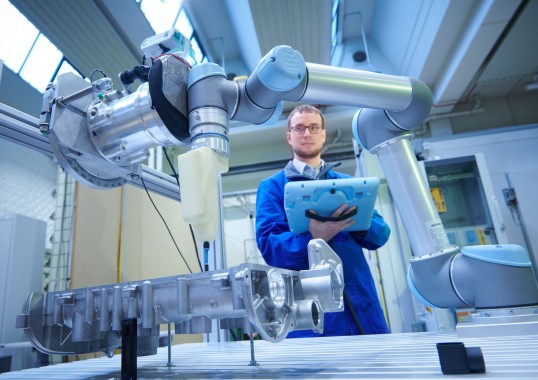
pixel 278 245
pixel 376 236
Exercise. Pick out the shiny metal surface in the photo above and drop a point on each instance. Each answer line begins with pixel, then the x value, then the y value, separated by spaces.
pixel 500 322
pixel 101 135
pixel 411 193
pixel 122 129
pixel 23 129
pixel 208 126
pixel 391 356
pixel 70 142
pixel 348 87
pixel 257 298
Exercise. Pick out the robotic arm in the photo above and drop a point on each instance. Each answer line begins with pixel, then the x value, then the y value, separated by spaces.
pixel 441 275
pixel 101 136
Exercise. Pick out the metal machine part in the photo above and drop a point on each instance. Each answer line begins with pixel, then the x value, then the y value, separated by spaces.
pixel 270 301
pixel 101 136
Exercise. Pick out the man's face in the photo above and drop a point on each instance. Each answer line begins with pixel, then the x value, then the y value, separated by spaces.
pixel 307 145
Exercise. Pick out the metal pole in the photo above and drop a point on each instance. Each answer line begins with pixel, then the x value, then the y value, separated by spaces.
pixel 253 361
pixel 63 101
pixel 169 364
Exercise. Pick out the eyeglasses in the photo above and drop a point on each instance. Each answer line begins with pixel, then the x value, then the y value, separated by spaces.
pixel 300 129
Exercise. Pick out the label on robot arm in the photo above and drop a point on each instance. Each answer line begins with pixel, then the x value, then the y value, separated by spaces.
pixel 438 234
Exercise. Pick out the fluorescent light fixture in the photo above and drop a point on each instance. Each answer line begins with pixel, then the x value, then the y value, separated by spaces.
pixel 532 85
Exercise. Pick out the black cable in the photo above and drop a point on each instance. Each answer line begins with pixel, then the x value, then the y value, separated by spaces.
pixel 352 311
pixel 176 176
pixel 96 71
pixel 166 225
pixel 195 248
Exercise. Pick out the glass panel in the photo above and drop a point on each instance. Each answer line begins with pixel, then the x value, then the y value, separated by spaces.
pixel 17 35
pixel 198 55
pixel 335 7
pixel 41 64
pixel 66 67
pixel 334 26
pixel 333 32
pixel 183 24
pixel 161 14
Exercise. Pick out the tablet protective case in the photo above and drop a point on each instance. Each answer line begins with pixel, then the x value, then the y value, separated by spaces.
pixel 325 196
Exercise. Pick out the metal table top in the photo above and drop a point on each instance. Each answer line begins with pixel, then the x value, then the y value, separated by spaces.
pixel 391 356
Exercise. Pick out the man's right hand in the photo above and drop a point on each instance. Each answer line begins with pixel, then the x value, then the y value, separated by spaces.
pixel 327 230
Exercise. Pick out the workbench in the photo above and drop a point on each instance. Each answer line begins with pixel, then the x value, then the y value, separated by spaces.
pixel 391 356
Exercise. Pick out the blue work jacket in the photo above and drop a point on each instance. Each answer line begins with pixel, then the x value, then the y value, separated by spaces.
pixel 284 249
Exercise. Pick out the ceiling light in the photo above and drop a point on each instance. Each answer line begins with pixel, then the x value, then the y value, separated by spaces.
pixel 530 86
pixel 533 85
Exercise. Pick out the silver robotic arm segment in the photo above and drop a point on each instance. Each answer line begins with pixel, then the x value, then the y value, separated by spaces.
pixel 430 281
pixel 280 75
pixel 268 300
pixel 213 100
pixel 348 87
pixel 484 277
pixel 439 274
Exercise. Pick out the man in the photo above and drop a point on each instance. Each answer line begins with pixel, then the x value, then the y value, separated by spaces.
pixel 284 249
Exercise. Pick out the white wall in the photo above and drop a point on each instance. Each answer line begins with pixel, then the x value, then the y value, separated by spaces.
pixel 27 184
pixel 21 261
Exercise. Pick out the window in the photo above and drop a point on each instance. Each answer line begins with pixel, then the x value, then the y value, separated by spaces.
pixel 31 55
pixel 334 26
pixel 163 15
pixel 66 67
pixel 183 24
pixel 17 36
pixel 27 51
pixel 41 63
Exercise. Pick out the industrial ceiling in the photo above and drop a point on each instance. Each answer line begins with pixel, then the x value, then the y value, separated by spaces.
pixel 466 51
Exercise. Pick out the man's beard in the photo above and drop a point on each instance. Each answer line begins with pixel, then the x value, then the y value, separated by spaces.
pixel 307 155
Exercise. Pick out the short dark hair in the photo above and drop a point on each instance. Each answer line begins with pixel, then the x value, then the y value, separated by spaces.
pixel 306 108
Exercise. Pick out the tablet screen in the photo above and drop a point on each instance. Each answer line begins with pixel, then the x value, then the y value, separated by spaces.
pixel 325 196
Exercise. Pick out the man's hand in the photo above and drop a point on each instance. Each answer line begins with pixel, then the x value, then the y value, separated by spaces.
pixel 327 230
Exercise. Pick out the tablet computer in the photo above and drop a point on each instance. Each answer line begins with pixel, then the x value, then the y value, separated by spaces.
pixel 325 196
